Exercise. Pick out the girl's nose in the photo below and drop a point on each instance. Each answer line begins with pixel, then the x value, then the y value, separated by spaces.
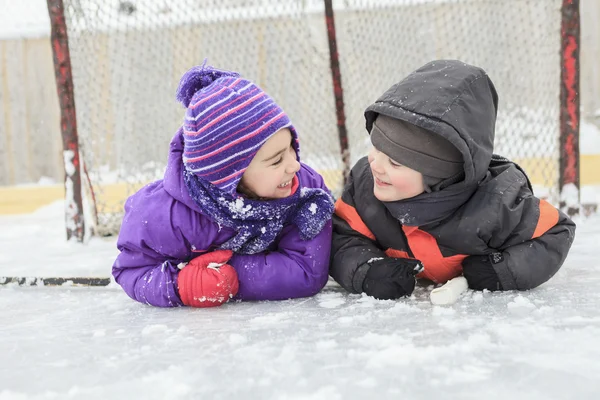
pixel 293 166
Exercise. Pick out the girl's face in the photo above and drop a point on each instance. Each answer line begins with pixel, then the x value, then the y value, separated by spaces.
pixel 393 181
pixel 272 169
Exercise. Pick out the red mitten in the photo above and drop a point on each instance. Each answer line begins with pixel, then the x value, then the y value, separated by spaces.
pixel 201 285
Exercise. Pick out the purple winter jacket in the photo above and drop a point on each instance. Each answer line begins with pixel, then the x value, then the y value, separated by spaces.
pixel 163 227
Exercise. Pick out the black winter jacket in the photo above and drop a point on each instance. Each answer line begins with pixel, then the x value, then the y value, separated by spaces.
pixel 500 214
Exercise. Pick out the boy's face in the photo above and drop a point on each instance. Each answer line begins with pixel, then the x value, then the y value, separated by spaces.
pixel 272 169
pixel 393 181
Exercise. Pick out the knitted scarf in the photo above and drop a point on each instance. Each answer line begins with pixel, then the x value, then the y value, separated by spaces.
pixel 259 222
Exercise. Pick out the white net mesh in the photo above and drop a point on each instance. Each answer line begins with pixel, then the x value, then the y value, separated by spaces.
pixel 128 56
pixel 516 42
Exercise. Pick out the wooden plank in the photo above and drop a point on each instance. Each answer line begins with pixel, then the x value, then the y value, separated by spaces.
pixel 43 112
pixel 17 130
pixel 6 165
pixel 27 199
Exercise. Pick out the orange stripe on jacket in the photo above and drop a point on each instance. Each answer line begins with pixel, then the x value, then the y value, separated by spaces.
pixel 349 214
pixel 548 218
pixel 438 268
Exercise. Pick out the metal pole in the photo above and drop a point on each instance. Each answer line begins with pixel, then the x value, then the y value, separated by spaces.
pixel 54 281
pixel 338 91
pixel 569 184
pixel 74 218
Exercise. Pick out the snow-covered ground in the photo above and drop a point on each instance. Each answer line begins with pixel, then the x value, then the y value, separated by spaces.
pixel 81 343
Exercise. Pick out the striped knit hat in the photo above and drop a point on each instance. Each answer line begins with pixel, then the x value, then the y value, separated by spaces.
pixel 227 120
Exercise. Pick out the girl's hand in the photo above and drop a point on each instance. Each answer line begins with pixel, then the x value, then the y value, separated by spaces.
pixel 207 281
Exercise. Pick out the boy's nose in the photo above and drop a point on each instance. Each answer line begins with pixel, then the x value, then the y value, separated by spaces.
pixel 374 162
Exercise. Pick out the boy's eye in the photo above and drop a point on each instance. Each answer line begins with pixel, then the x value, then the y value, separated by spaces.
pixel 394 164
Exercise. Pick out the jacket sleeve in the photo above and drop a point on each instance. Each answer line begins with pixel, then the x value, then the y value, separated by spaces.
pixel 145 277
pixel 297 268
pixel 351 249
pixel 353 243
pixel 151 247
pixel 531 241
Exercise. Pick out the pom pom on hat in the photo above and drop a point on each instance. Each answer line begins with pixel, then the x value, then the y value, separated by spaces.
pixel 198 78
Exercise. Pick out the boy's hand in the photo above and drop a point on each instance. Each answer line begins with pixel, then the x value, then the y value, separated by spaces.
pixel 206 281
pixel 480 273
pixel 391 278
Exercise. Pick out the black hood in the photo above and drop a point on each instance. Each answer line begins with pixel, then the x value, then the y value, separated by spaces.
pixel 453 99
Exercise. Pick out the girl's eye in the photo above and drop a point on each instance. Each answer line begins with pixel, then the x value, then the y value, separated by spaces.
pixel 290 150
pixel 280 159
pixel 394 164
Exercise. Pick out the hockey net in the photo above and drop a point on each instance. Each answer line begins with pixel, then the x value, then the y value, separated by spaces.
pixel 127 58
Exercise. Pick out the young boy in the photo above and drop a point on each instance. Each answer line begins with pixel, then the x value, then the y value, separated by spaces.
pixel 432 201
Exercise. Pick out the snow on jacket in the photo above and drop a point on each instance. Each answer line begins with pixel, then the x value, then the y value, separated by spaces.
pixel 164 227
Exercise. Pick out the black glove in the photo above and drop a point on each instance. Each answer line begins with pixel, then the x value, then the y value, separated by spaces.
pixel 391 278
pixel 479 271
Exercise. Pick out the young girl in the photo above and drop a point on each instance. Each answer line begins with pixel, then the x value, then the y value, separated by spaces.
pixel 236 214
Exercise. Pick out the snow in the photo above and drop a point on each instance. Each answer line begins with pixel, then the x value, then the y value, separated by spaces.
pixel 24 18
pixel 450 292
pixel 96 343
pixel 237 207
pixel 589 138
pixel 570 195
pixel 34 245
pixel 71 208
